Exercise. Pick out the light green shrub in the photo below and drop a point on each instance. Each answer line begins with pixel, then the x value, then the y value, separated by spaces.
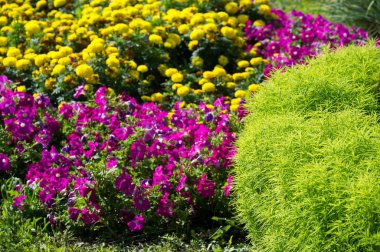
pixel 308 160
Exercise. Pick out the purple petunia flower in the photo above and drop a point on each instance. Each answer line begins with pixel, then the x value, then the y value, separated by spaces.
pixel 4 162
pixel 123 183
pixel 205 187
pixel 136 224
pixel 18 202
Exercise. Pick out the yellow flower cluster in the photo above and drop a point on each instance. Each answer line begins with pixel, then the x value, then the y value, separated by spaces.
pixel 130 45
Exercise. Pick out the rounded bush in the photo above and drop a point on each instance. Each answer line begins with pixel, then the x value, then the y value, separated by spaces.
pixel 307 163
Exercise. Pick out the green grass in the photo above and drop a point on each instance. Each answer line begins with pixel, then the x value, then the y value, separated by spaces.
pixel 321 7
pixel 307 166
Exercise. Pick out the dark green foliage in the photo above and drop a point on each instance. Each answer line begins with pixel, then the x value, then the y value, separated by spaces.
pixel 307 164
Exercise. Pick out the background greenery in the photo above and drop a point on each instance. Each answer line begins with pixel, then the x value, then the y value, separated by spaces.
pixel 361 13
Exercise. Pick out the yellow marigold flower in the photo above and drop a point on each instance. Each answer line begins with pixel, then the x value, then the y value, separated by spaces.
pixel 84 71
pixel 142 68
pixel 231 7
pixel 231 85
pixel 223 60
pixel 23 64
pixel 240 93
pixel 197 61
pixel 21 89
pixel 112 50
pixel 208 74
pixel 228 32
pixel 219 72
pixel 49 83
pixel 235 101
pixel 210 106
pixel 254 87
pixel 175 86
pixel 234 107
pixel 222 16
pixel 9 61
pixel 95 47
pixel 3 20
pixel 198 91
pixel 246 3
pixel 264 9
pixel 175 38
pixel 182 104
pixel 169 44
pixel 237 76
pixel 183 91
pixel 162 68
pixel 243 18
pixel 170 71
pixel 40 4
pixel 202 81
pixel 110 91
pixel 58 69
pixel 14 52
pixel 157 97
pixel 256 61
pixel 261 1
pixel 155 39
pixel 41 59
pixel 197 19
pixel 243 64
pixel 112 62
pixel 121 28
pixel 208 87
pixel 3 41
pixel 197 34
pixel 211 27
pixel 32 27
pixel 59 3
pixel 72 37
pixel 132 64
pixel 259 22
pixel 64 61
pixel 135 74
pixel 233 21
pixel 177 77
pixel 146 98
pixel 183 29
pixel 193 44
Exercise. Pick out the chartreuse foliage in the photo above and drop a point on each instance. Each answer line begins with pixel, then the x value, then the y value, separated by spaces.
pixel 307 164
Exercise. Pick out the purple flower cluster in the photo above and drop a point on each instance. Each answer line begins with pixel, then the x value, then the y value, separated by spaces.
pixel 139 160
pixel 27 119
pixel 290 38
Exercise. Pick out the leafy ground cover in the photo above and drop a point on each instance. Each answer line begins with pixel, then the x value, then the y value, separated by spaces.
pixel 120 117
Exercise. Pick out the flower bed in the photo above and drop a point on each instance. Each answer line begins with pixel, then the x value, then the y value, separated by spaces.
pixel 74 127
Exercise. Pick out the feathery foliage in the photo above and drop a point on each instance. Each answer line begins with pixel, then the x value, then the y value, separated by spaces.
pixel 307 166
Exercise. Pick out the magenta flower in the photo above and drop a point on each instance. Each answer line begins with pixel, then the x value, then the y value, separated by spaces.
pixel 136 224
pixel 124 184
pixel 142 204
pixel 181 183
pixel 205 187
pixel 4 162
pixel 18 202
pixel 165 207
pixel 138 150
pixel 227 188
